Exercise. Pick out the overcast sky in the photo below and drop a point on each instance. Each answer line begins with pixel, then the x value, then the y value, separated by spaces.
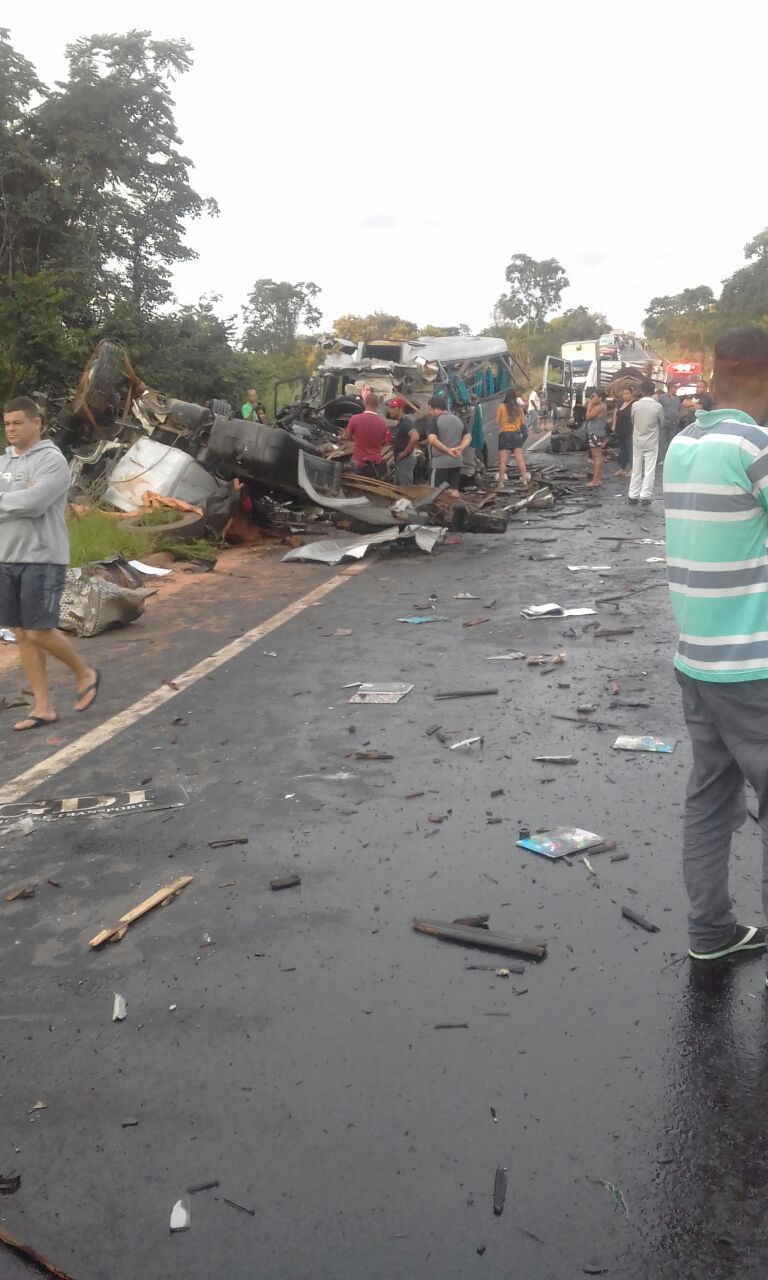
pixel 399 153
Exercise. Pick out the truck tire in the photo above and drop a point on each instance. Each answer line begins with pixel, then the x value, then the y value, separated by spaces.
pixel 188 527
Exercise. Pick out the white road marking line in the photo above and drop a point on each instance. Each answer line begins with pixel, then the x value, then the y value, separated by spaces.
pixel 20 786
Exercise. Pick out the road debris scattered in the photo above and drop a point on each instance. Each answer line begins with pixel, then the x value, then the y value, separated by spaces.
pixel 37 1106
pixel 444 694
pixel 480 938
pixel 660 746
pixel 639 920
pixel 285 882
pixel 560 841
pixel 9 1183
pixel 160 898
pixel 181 1216
pixel 119 1008
pixel 106 804
pixel 465 742
pixel 31 1256
pixel 225 844
pixel 499 1191
pixel 241 1207
pixel 24 891
pixel 473 922
pixel 368 755
pixel 203 1186
pixel 555 759
pixel 385 694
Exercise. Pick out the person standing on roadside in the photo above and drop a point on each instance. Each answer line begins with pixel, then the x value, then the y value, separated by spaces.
pixel 670 407
pixel 534 409
pixel 647 424
pixel 622 429
pixel 447 440
pixel 405 437
pixel 597 434
pixel 511 438
pixel 369 433
pixel 716 501
pixel 34 554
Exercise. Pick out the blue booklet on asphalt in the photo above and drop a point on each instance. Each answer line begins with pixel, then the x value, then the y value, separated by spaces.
pixel 561 841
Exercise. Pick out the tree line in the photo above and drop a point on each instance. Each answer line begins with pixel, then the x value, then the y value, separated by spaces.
pixel 95 199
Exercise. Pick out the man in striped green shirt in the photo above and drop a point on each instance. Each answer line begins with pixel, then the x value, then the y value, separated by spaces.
pixel 716 502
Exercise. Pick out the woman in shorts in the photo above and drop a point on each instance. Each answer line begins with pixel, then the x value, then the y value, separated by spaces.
pixel 597 425
pixel 509 420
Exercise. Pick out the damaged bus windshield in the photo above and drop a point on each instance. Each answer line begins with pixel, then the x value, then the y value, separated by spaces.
pixel 472 373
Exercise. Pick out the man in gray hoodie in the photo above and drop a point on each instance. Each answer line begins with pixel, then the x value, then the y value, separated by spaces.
pixel 34 554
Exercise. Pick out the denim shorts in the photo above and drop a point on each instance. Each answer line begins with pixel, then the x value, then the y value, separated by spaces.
pixel 30 595
pixel 511 439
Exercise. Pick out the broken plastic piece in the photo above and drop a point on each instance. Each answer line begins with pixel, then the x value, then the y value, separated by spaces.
pixel 473 922
pixel 384 694
pixel 619 857
pixel 285 882
pixel 119 1008
pixel 465 742
pixel 9 1184
pixel 180 1216
pixel 202 1186
pixel 637 919
pixel 480 938
pixel 512 656
pixel 499 1191
pixel 554 759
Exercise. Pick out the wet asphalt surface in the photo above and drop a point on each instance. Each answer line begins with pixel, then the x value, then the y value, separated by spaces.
pixel 301 1066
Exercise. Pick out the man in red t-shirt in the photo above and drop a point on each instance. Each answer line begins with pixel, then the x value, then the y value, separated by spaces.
pixel 368 432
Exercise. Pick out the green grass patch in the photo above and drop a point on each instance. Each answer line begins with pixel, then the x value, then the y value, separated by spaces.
pixel 95 536
pixel 199 549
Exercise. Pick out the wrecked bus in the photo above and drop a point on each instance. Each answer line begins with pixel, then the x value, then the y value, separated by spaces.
pixel 473 373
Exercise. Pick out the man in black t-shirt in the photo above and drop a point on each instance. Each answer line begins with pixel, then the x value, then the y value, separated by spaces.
pixel 405 437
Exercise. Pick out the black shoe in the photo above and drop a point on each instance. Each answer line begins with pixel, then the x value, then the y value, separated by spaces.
pixel 632 502
pixel 744 938
pixel 645 502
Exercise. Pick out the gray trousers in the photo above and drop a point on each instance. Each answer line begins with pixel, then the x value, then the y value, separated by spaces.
pixel 728 727
pixel 404 470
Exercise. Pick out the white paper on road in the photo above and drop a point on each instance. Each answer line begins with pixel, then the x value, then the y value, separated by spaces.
pixel 591 568
pixel 554 611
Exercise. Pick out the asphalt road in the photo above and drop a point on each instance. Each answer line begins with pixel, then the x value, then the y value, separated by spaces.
pixel 296 1059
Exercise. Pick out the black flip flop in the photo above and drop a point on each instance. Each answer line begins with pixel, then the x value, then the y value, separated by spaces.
pixel 92 688
pixel 34 722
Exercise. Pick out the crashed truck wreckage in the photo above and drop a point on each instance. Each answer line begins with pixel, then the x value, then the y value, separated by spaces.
pixel 125 441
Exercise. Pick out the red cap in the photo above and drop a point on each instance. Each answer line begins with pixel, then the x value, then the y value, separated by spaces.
pixel 396 402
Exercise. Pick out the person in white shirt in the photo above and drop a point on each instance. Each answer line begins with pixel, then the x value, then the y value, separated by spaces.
pixel 534 409
pixel 647 424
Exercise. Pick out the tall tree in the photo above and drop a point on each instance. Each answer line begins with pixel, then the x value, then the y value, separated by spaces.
pixel 379 324
pixel 683 322
pixel 744 299
pixel 27 210
pixel 108 138
pixel 274 312
pixel 535 289
pixel 577 323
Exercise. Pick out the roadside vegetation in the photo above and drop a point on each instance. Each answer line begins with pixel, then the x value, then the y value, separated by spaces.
pixel 97 535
